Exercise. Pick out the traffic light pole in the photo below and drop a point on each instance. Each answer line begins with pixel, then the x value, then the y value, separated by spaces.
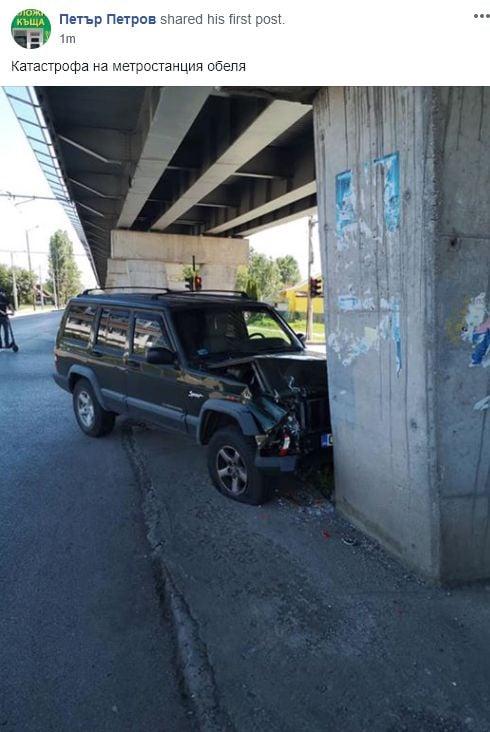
pixel 196 279
pixel 309 303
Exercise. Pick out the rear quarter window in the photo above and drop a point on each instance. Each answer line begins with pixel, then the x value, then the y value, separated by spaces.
pixel 78 324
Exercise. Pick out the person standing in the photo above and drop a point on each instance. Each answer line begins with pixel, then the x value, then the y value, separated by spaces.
pixel 5 306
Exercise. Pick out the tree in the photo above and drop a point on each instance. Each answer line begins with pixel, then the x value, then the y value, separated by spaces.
pixel 246 283
pixel 25 281
pixel 242 278
pixel 261 276
pixel 5 278
pixel 63 269
pixel 288 269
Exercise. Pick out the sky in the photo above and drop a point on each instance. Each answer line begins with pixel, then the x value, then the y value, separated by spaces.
pixel 20 173
pixel 290 238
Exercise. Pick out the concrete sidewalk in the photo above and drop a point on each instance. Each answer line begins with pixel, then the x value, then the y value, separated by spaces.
pixel 38 311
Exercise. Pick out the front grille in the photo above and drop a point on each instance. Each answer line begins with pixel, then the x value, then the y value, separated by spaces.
pixel 317 415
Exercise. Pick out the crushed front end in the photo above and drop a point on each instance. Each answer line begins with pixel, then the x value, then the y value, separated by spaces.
pixel 293 410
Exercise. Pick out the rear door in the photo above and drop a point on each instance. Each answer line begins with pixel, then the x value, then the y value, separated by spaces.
pixel 153 390
pixel 108 356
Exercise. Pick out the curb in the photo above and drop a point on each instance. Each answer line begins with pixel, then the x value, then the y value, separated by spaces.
pixel 194 667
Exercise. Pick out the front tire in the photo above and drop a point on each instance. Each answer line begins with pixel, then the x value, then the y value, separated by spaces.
pixel 91 417
pixel 231 465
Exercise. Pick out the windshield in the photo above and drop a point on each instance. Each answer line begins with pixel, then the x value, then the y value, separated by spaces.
pixel 220 333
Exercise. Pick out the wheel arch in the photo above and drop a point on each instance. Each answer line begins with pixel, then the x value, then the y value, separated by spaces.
pixel 216 413
pixel 82 372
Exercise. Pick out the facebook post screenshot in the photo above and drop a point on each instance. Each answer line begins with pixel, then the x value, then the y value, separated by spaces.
pixel 245 366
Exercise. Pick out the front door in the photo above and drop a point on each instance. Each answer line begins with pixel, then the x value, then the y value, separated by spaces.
pixel 152 389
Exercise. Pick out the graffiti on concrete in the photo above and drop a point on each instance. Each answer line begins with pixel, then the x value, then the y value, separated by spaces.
pixel 349 347
pixel 481 343
pixel 476 330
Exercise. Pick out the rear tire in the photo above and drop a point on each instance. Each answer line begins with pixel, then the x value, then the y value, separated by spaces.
pixel 91 417
pixel 231 465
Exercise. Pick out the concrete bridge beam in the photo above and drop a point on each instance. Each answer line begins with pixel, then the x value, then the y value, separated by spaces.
pixel 165 119
pixel 157 260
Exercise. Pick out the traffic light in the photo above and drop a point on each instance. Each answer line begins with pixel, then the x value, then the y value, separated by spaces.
pixel 197 282
pixel 315 287
pixel 189 283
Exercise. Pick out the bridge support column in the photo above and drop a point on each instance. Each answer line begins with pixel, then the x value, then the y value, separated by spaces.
pixel 404 181
pixel 157 260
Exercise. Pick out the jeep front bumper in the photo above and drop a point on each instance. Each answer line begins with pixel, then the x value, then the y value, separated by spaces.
pixel 277 463
pixel 290 463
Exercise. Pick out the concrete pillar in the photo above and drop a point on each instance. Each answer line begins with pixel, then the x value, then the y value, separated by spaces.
pixel 157 260
pixel 404 180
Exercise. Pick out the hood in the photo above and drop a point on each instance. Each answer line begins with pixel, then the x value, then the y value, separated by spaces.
pixel 304 372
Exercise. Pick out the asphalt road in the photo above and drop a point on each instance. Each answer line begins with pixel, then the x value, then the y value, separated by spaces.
pixel 134 596
pixel 83 641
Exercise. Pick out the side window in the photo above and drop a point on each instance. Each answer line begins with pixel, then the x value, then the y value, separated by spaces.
pixel 149 331
pixel 79 323
pixel 113 329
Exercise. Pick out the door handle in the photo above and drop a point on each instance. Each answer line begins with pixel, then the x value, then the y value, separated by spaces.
pixel 97 354
pixel 133 364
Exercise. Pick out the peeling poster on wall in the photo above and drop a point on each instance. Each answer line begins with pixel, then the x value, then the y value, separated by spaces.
pixel 344 203
pixel 345 195
pixel 391 193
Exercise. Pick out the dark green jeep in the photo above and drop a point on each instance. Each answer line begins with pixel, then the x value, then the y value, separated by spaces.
pixel 220 367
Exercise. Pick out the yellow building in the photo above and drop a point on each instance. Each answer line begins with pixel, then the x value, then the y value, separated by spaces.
pixel 296 299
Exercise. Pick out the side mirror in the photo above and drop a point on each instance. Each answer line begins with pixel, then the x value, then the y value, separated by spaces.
pixel 160 356
pixel 302 338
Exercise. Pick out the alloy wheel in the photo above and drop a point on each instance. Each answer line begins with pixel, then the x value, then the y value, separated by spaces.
pixel 85 409
pixel 231 470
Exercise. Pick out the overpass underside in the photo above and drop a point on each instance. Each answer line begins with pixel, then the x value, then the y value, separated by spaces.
pixel 194 161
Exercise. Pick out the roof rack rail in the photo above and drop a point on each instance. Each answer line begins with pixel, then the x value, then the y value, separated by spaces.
pixel 240 293
pixel 156 292
pixel 138 288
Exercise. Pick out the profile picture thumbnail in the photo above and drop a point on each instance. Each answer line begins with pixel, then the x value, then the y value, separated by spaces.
pixel 31 28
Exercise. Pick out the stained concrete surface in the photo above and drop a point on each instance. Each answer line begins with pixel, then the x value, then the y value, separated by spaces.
pixel 297 621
